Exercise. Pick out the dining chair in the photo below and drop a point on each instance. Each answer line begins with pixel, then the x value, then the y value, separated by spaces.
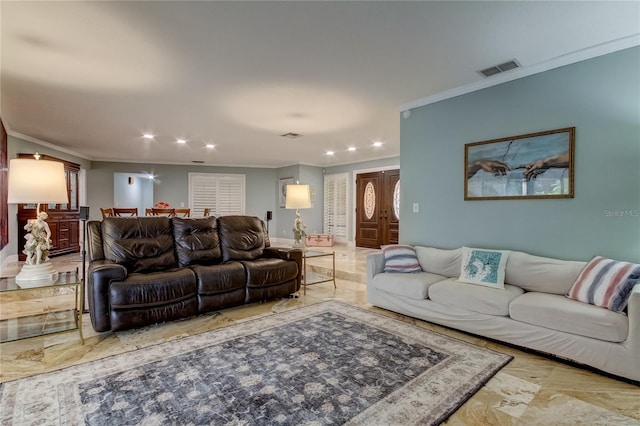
pixel 106 212
pixel 183 212
pixel 148 212
pixel 206 212
pixel 163 212
pixel 129 212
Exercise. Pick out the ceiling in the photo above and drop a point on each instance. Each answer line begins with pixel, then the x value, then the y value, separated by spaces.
pixel 90 78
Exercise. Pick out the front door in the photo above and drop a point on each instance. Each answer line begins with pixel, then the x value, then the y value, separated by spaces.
pixel 377 208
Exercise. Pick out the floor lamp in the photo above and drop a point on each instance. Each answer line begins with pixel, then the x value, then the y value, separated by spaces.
pixel 84 216
pixel 33 182
pixel 298 197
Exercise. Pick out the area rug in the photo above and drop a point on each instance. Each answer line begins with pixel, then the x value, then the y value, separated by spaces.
pixel 328 363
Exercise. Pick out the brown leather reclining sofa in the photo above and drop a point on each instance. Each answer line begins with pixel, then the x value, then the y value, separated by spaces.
pixel 147 270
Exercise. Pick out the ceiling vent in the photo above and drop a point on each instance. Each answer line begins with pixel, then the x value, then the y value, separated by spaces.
pixel 497 69
pixel 291 135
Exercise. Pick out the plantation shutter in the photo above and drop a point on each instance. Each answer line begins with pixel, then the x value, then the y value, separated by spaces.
pixel 222 194
pixel 230 195
pixel 335 206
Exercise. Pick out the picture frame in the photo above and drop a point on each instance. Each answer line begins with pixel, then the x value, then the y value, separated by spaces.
pixel 282 190
pixel 530 166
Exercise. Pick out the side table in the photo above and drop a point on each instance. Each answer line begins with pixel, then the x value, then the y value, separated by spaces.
pixel 23 315
pixel 310 278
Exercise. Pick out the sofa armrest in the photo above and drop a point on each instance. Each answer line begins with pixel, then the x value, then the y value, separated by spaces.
pixel 633 312
pixel 287 254
pixel 375 265
pixel 99 276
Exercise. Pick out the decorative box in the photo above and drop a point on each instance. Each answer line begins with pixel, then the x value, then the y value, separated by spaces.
pixel 319 240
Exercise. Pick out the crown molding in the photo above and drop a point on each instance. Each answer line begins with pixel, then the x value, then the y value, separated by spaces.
pixel 560 61
pixel 48 145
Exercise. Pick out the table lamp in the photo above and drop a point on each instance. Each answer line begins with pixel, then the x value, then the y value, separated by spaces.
pixel 33 182
pixel 298 197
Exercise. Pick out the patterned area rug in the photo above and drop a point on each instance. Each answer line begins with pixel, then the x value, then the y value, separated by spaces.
pixel 328 363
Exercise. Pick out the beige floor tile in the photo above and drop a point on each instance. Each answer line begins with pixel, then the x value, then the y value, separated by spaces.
pixel 557 408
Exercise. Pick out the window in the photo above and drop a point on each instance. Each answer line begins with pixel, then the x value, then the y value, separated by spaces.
pixel 222 194
pixel 335 206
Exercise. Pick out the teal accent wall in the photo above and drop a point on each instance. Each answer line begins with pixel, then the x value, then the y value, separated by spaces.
pixel 600 97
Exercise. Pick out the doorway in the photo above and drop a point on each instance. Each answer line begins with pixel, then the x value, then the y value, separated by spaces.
pixel 377 208
pixel 133 190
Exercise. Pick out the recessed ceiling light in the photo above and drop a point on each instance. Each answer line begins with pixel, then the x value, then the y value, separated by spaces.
pixel 377 144
pixel 330 153
pixel 148 136
pixel 181 141
pixel 351 148
pixel 210 146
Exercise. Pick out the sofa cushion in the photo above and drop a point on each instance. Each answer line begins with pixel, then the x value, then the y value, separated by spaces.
pixel 196 241
pixel 400 258
pixel 215 279
pixel 485 300
pixel 606 283
pixel 413 286
pixel 556 312
pixel 140 244
pixel 241 237
pixel 439 261
pixel 483 267
pixel 269 271
pixel 152 289
pixel 543 274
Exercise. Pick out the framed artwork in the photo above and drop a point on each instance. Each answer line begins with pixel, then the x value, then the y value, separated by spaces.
pixel 282 190
pixel 536 165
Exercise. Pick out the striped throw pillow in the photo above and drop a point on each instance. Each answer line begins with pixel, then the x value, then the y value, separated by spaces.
pixel 399 258
pixel 606 283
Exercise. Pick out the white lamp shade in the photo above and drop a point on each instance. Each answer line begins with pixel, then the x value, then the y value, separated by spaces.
pixel 36 181
pixel 298 197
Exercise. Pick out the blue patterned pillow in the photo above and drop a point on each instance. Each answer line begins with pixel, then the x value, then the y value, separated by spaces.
pixel 483 267
pixel 399 258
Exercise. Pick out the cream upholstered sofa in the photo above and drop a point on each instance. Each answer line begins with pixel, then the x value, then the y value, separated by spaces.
pixel 532 310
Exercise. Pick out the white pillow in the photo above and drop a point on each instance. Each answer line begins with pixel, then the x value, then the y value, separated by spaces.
pixel 483 267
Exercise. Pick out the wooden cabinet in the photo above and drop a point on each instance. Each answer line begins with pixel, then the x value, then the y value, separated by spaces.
pixel 63 219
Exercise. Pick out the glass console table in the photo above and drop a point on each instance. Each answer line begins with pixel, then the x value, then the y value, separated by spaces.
pixel 310 277
pixel 40 308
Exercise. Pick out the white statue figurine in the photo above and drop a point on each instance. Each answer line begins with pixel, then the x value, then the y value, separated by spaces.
pixel 38 240
pixel 299 230
pixel 30 249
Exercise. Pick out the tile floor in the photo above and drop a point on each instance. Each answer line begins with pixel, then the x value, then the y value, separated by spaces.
pixel 531 390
